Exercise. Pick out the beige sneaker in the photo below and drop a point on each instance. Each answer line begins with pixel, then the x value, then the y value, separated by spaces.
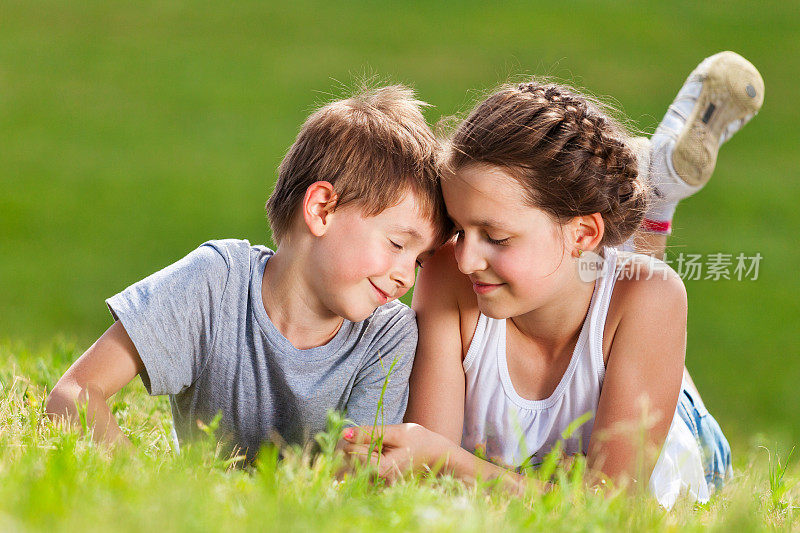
pixel 719 97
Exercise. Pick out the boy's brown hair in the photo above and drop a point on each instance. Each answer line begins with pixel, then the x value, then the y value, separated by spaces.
pixel 372 147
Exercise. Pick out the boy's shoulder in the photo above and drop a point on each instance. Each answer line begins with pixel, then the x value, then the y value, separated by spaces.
pixel 216 264
pixel 391 320
pixel 394 310
pixel 233 257
pixel 233 250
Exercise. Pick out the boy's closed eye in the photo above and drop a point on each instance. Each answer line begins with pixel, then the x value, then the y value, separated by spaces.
pixel 399 247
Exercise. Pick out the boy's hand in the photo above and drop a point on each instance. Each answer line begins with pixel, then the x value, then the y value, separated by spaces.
pixel 403 447
pixel 107 366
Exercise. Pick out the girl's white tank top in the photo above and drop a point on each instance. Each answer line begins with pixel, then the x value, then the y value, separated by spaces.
pixel 510 429
pixel 505 428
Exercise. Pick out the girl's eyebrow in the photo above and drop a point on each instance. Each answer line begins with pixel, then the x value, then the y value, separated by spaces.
pixel 490 223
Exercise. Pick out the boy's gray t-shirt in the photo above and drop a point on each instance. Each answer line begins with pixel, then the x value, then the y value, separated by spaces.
pixel 205 339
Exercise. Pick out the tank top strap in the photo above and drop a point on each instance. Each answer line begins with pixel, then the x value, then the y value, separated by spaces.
pixel 598 311
pixel 476 345
pixel 488 339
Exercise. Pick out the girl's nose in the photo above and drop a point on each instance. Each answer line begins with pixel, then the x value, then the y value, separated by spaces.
pixel 468 255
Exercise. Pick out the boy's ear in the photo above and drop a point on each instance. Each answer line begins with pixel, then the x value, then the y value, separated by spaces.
pixel 586 232
pixel 318 203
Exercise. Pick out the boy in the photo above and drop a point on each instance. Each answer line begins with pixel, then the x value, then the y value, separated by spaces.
pixel 274 340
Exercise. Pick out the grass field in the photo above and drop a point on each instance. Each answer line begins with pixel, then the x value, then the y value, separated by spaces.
pixel 56 480
pixel 131 132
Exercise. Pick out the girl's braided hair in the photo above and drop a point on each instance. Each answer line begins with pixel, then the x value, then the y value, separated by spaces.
pixel 571 158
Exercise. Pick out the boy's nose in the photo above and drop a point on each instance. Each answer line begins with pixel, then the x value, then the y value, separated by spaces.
pixel 403 276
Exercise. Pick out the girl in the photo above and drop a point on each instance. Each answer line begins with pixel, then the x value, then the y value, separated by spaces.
pixel 532 317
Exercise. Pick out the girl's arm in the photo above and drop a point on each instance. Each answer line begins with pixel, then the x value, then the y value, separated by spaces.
pixel 107 366
pixel 643 374
pixel 445 305
pixel 437 385
pixel 413 447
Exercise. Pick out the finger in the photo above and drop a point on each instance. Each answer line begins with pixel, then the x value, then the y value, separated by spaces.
pixel 350 447
pixel 395 473
pixel 391 435
pixel 393 464
pixel 357 457
pixel 358 435
pixel 363 454
pixel 356 450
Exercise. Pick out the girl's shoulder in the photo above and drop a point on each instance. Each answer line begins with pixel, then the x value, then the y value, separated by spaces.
pixel 644 274
pixel 441 283
pixel 646 290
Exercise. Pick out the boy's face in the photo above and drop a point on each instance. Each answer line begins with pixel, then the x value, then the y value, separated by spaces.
pixel 362 262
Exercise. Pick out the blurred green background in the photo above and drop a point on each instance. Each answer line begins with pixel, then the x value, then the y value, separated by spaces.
pixel 131 132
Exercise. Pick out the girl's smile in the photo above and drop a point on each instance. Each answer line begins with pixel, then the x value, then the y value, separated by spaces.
pixel 485 288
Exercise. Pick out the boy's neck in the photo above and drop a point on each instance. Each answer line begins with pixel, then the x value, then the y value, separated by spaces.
pixel 293 307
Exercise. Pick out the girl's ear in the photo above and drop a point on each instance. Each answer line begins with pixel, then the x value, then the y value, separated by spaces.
pixel 318 204
pixel 586 232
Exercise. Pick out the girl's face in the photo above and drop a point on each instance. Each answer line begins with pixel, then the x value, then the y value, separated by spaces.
pixel 515 255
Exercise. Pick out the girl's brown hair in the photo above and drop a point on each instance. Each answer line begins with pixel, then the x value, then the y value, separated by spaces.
pixel 571 158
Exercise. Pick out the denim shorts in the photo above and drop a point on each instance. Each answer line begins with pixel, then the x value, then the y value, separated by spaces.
pixel 714 448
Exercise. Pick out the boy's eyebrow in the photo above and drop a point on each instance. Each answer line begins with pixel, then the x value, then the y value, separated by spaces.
pixel 411 232
pixel 414 234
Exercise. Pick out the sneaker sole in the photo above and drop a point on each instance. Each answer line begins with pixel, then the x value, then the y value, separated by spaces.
pixel 732 90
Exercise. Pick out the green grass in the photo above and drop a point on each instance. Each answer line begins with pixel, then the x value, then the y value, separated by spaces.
pixel 53 479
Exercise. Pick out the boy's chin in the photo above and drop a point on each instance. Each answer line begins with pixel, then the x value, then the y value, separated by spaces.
pixel 363 315
pixel 356 314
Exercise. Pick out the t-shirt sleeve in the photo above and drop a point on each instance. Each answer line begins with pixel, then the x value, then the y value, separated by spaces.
pixel 171 316
pixel 394 349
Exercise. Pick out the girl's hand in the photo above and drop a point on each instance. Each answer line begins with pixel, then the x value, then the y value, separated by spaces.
pixel 403 447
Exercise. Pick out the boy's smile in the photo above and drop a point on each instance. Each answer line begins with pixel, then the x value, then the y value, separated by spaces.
pixel 382 295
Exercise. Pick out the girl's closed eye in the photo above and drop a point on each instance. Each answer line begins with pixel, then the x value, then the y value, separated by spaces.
pixel 499 242
pixel 459 234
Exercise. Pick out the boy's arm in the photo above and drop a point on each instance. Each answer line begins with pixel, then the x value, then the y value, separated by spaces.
pixel 164 331
pixel 107 366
